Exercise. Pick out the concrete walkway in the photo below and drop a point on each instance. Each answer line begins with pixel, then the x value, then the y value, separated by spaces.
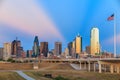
pixel 24 75
pixel 75 66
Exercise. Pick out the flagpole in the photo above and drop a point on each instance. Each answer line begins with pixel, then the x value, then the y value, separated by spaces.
pixel 114 35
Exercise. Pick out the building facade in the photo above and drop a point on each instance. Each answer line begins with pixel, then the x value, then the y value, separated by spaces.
pixel 16 48
pixel 58 48
pixel 36 50
pixel 70 48
pixel 66 53
pixel 1 53
pixel 87 49
pixel 29 53
pixel 95 45
pixel 44 48
pixel 7 51
pixel 78 45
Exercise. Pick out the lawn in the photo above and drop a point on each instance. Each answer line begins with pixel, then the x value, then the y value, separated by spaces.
pixel 72 75
pixel 10 76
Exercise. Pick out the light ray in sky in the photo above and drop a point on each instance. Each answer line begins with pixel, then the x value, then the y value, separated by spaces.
pixel 26 16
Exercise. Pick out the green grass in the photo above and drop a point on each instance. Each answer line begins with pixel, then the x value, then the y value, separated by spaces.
pixel 10 76
pixel 37 75
pixel 72 75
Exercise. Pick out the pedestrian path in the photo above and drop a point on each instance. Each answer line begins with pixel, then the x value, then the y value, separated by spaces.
pixel 76 67
pixel 24 75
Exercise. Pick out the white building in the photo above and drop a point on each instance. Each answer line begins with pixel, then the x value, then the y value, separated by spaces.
pixel 95 45
pixel 7 51
pixel 66 52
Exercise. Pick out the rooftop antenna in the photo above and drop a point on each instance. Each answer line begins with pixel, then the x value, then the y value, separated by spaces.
pixel 16 38
pixel 78 34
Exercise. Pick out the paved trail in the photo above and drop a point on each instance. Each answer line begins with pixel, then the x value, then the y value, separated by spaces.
pixel 76 67
pixel 24 75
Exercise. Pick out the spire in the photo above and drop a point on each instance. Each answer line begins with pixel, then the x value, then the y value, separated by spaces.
pixel 16 38
pixel 78 34
pixel 36 39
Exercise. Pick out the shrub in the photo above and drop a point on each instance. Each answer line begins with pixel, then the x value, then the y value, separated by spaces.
pixel 60 78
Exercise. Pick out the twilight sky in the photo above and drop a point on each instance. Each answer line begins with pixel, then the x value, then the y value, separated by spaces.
pixel 58 20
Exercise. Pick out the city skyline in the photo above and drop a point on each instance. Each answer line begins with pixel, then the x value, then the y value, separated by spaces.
pixel 62 23
pixel 60 39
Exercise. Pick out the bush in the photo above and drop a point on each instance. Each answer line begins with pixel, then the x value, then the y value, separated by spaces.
pixel 9 60
pixel 60 78
pixel 13 61
pixel 1 59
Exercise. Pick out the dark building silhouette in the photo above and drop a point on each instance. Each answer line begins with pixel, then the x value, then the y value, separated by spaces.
pixel 29 53
pixel 58 48
pixel 44 48
pixel 87 49
pixel 36 47
pixel 1 53
pixel 16 48
pixel 70 48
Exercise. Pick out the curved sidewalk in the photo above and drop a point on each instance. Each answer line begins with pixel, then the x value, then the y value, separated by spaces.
pixel 76 67
pixel 24 75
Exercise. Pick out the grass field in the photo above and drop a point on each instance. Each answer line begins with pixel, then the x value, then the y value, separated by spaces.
pixel 10 76
pixel 64 70
pixel 61 71
pixel 73 75
pixel 55 66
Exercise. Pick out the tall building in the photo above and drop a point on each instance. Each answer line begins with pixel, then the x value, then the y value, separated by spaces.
pixel 95 45
pixel 78 45
pixel 58 48
pixel 7 51
pixel 16 48
pixel 29 53
pixel 70 48
pixel 53 51
pixel 36 50
pixel 66 52
pixel 1 53
pixel 44 48
pixel 87 49
pixel 73 49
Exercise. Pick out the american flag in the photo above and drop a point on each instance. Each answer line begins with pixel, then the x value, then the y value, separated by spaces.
pixel 111 17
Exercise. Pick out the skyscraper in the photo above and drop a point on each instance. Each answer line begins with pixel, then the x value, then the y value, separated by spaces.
pixel 95 45
pixel 78 45
pixel 58 48
pixel 36 47
pixel 70 48
pixel 66 52
pixel 29 53
pixel 73 49
pixel 16 48
pixel 1 53
pixel 44 48
pixel 7 51
pixel 87 49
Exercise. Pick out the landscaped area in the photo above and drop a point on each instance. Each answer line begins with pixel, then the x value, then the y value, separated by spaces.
pixel 60 71
pixel 60 75
pixel 72 75
pixel 8 75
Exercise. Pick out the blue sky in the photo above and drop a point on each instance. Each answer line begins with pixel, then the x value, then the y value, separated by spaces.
pixel 59 20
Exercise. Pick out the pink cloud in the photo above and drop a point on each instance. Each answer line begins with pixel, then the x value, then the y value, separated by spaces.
pixel 2 39
pixel 29 17
pixel 110 40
